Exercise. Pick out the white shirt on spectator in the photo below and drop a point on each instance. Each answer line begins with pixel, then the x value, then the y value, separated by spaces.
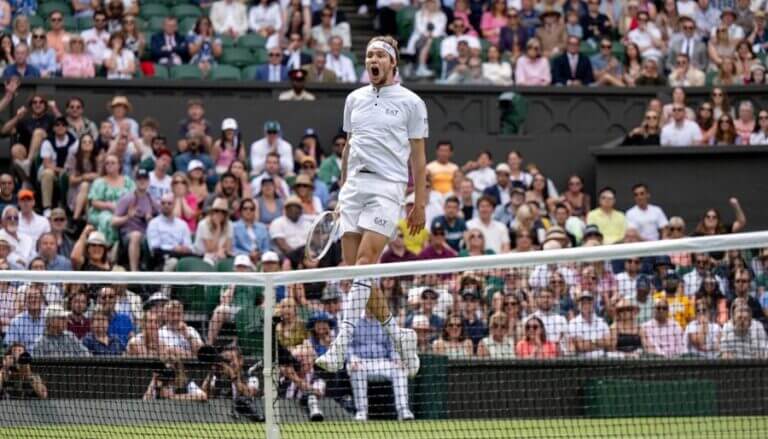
pixel 226 16
pixel 449 45
pixel 644 40
pixel 261 17
pixel 692 283
pixel 173 339
pixel 579 328
pixel 23 248
pixel 539 276
pixel 166 233
pixel 713 336
pixel 648 221
pixel 759 138
pixel 204 233
pixel 283 190
pixel 626 285
pixel 752 345
pixel 96 44
pixel 295 234
pixel 260 149
pixel 33 227
pixel 159 186
pixel 685 133
pixel 735 32
pixel 482 178
pixel 495 233
pixel 342 66
pixel 124 58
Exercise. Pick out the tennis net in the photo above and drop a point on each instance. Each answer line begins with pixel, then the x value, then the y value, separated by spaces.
pixel 631 340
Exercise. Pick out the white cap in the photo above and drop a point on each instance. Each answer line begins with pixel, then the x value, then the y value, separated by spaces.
pixel 195 164
pixel 243 261
pixel 503 167
pixel 228 124
pixel 55 310
pixel 420 321
pixel 270 257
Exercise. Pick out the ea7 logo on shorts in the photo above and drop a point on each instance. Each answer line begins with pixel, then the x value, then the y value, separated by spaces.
pixel 391 112
pixel 381 222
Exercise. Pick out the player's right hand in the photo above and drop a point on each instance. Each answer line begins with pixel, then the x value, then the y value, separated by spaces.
pixel 416 220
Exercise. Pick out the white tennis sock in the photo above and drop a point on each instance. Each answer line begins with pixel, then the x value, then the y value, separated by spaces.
pixel 352 310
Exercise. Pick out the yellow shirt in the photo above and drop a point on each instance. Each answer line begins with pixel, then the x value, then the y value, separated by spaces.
pixel 612 225
pixel 680 308
pixel 414 243
pixel 442 175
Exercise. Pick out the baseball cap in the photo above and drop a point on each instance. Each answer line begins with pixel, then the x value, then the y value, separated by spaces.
pixel 155 299
pixel 592 230
pixel 437 226
pixel 517 187
pixel 243 261
pixel 142 174
pixel 429 292
pixel 297 74
pixel 26 194
pixel 270 256
pixel 293 200
pixel 503 167
pixel 310 132
pixel 195 164
pixel 55 310
pixel 228 124
pixel 272 126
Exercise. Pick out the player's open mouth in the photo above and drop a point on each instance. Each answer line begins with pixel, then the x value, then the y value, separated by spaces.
pixel 374 71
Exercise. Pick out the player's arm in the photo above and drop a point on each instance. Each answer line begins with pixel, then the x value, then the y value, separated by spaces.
pixel 344 158
pixel 416 217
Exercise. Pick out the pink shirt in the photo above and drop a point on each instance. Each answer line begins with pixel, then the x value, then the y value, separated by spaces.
pixel 77 66
pixel 490 23
pixel 525 349
pixel 532 72
pixel 191 201
pixel 744 130
pixel 667 340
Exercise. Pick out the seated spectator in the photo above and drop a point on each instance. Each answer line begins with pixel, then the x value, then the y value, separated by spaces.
pixel 662 335
pixel 595 24
pixel 742 290
pixel 396 250
pixel 77 322
pixel 204 47
pixel 317 71
pixel 213 240
pixel 706 121
pixel 270 204
pixel 290 231
pixel 17 381
pixel 272 142
pixel 76 63
pixel 745 123
pixel 234 380
pixel 372 356
pixel 31 223
pixel 727 73
pixel 147 342
pixel 650 74
pixel 495 70
pixel 532 68
pixel 757 75
pixel 680 131
pixel 625 330
pixel 98 341
pixel 20 68
pixel 120 323
pixel 725 132
pixel 57 341
pixel 454 342
pixel 229 17
pixel 169 47
pixel 57 37
pixel 495 233
pixel 104 195
pixel 611 223
pixel 687 43
pixel 90 251
pixel 132 215
pixel 251 237
pixel 711 222
pixel 266 19
pixel 195 125
pixel 588 333
pixel 493 20
pixel 41 56
pixel 229 147
pixel 513 37
pixel 469 72
pixel 678 97
pixel 702 335
pixel 759 137
pixel 28 326
pixel 119 61
pixel 429 23
pixel 607 69
pixel 685 75
pixel 647 36
pixel 291 331
pixel 22 246
pixel 59 229
pixel 339 63
pixel 298 90
pixel 721 45
pixel 743 336
pixel 228 190
pixel 97 38
pixel 535 343
pixel 551 33
pixel 308 167
pixel 48 251
pixel 647 134
pixel 197 155
pixel 176 336
pixel 8 193
pixel 438 247
pixel 172 384
pixel 135 41
pixel 498 345
pixel 327 28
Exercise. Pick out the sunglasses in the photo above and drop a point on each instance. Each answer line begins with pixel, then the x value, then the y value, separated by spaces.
pixel 59 219
pixel 701 310
pixel 741 281
pixel 498 326
pixel 475 236
pixel 308 166
pixel 763 117
pixel 274 55
pixel 179 182
pixel 532 327
pixel 453 325
pixel 247 208
pixel 675 229
pixel 166 203
pixel 662 308
pixel 38 37
pixel 12 218
pixel 605 46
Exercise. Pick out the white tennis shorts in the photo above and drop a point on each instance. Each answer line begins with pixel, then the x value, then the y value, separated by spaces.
pixel 369 202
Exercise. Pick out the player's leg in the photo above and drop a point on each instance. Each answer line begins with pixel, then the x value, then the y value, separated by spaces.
pixel 397 376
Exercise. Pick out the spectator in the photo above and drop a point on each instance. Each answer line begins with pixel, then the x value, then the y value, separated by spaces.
pixel 30 223
pixel 633 65
pixel 495 233
pixel 195 125
pixel 607 69
pixel 317 71
pixel 706 121
pixel 532 68
pixel 177 336
pixel 269 202
pixel 309 169
pixel 135 41
pixel 97 38
pixel 500 190
pixel 689 44
pixel 98 341
pixel 229 147
pixel 442 169
pixel 235 380
pixel 16 378
pixel 83 170
pixel 513 37
pixel 396 250
pixel 725 133
pixel 120 323
pixel 57 341
pixel 48 251
pixel 720 45
pixel 481 175
pixel 266 19
pixel 42 57
pixel 120 107
pixel 759 137
pixel 290 231
pixel 742 290
pixel 727 73
pixel 147 342
pixel 59 228
pixel 298 91
pixel 164 385
pixel 213 240
pixel 77 322
pixel 76 63
pixel 662 335
pixel 438 247
pixel 90 251
pixel 496 70
pixel 498 345
pixel 119 61
pixel 647 134
pixel 681 305
pixel 104 195
pixel 8 194
pixel 197 155
pixel 28 326
pixel 649 219
pixel 132 215
pixel 625 330
pixel 685 75
pixel 450 46
pixel 588 333
pixel 710 295
pixel 20 68
pixel 251 237
pixel 743 336
pixel 610 222
pixel 168 47
pixel 22 245
pixel 327 28
pixel 647 36
pixel 160 183
pixel 57 37
pixel 535 343
pixel 373 356
pixel 429 23
pixel 168 236
pixel 493 20
pixel 204 47
pixel 228 190
pixel 702 335
pixel 711 222
pixel 229 18
pixel 339 63
pixel 680 131
pixel 552 32
pixel 272 141
pixel 745 124
pixel 453 342
pixel 651 74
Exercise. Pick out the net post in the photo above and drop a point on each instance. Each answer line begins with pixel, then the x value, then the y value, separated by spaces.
pixel 270 396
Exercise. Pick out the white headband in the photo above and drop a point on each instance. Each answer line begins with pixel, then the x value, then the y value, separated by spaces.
pixel 378 44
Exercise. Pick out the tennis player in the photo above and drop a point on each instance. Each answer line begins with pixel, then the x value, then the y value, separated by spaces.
pixel 386 125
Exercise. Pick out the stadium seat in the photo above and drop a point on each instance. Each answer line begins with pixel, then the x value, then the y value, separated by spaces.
pixel 187 24
pixel 260 56
pixel 70 23
pixel 587 49
pixel 249 72
pixel 155 24
pixel 36 21
pixel 184 11
pixel 193 297
pixel 84 23
pixel 237 56
pixel 154 10
pixel 225 72
pixel 252 41
pixel 404 19
pixel 186 71
pixel 45 9
pixel 484 45
pixel 227 41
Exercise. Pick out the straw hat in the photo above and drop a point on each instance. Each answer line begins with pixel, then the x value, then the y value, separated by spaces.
pixel 120 100
pixel 220 204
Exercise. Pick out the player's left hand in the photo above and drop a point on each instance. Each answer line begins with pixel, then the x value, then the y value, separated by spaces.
pixel 416 220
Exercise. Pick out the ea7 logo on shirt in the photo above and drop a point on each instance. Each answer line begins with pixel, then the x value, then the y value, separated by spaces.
pixel 381 222
pixel 391 112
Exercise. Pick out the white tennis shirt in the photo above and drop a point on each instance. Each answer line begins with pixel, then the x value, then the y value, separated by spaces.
pixel 381 122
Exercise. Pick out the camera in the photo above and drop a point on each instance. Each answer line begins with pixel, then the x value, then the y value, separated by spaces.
pixel 430 27
pixel 24 359
pixel 209 355
pixel 166 375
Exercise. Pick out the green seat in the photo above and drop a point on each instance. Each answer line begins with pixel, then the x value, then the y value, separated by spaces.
pixel 192 296
pixel 186 71
pixel 252 41
pixel 514 111
pixel 154 10
pixel 249 72
pixel 260 56
pixel 84 23
pixel 227 41
pixel 225 72
pixel 184 11
pixel 237 56
pixel 484 45
pixel 226 265
pixel 587 49
pixel 434 60
pixel 45 9
pixel 618 51
pixel 187 24
pixel 155 24
pixel 70 23
pixel 710 78
pixel 141 24
pixel 404 20
pixel 35 21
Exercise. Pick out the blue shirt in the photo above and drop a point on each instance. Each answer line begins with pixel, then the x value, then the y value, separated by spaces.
pixel 23 7
pixel 453 233
pixel 369 341
pixel 115 347
pixel 321 192
pixel 11 71
pixel 247 239
pixel 120 327
pixel 59 263
pixel 181 161
pixel 26 330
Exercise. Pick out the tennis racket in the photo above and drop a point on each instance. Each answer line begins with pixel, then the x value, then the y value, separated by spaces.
pixel 322 234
